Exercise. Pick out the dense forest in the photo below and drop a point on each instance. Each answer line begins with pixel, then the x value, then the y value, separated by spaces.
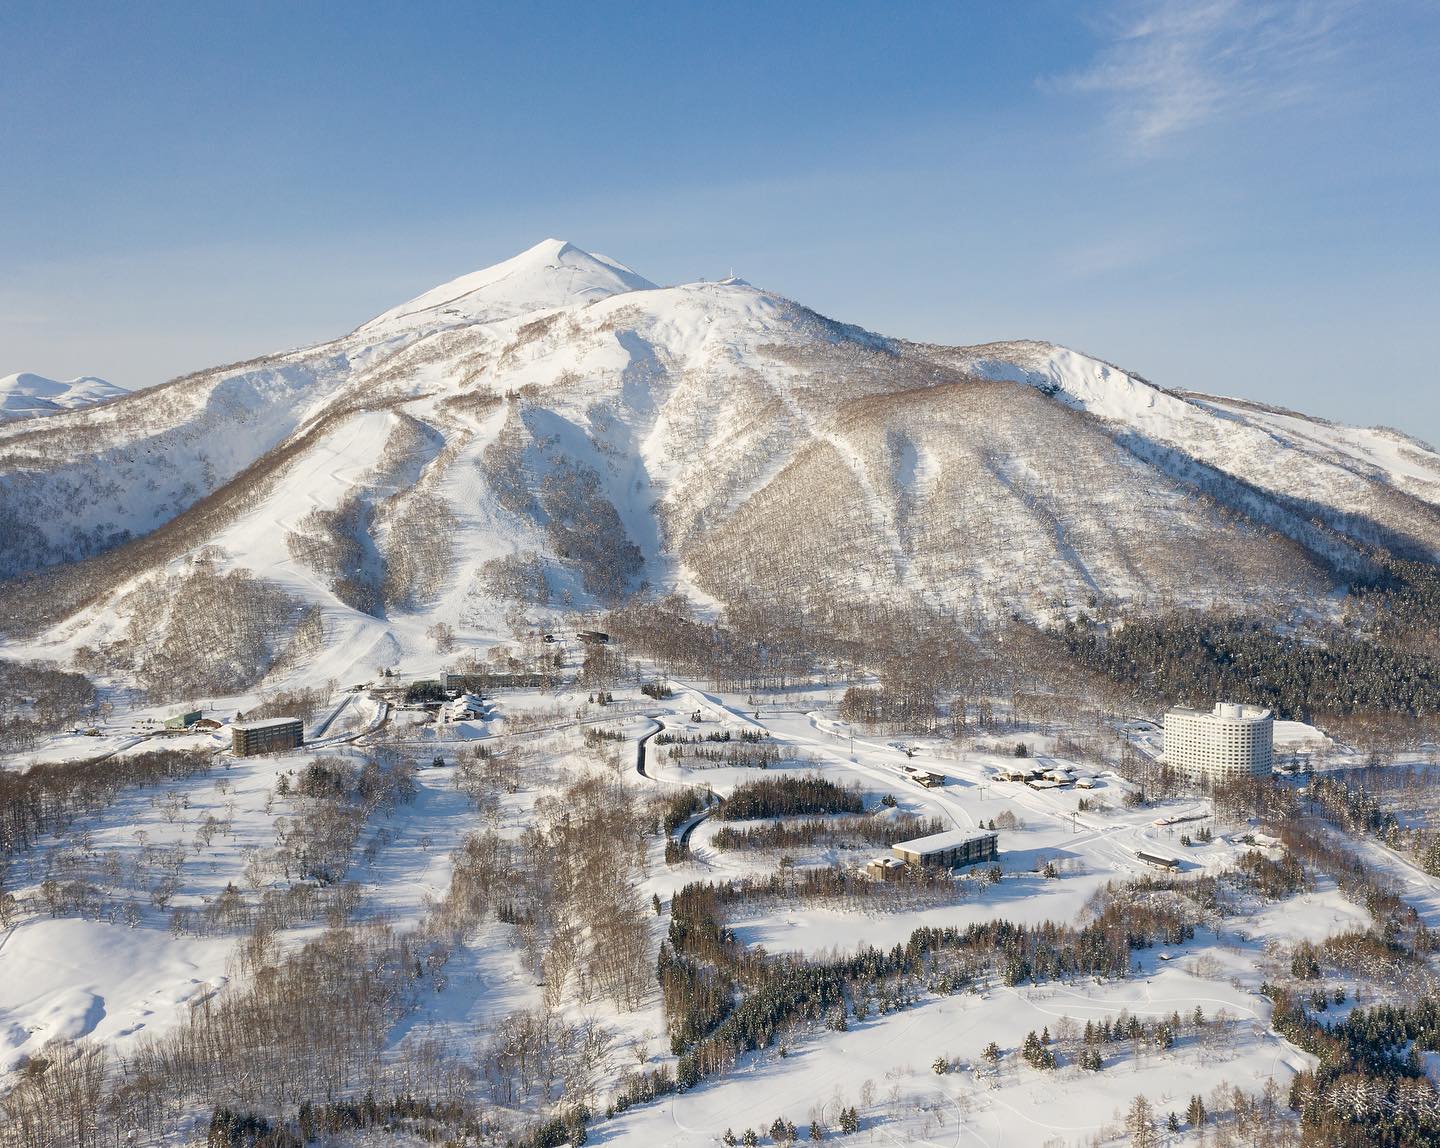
pixel 1372 669
pixel 1369 1089
pixel 1195 658
pixel 789 796
pixel 37 698
pixel 1378 659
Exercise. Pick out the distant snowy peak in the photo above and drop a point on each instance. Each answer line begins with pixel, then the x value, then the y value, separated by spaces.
pixel 550 274
pixel 25 395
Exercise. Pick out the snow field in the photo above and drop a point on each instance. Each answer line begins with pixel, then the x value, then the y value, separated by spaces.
pixel 114 982
pixel 1018 1105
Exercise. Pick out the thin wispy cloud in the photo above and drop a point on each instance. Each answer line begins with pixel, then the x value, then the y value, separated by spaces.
pixel 1176 65
pixel 1116 252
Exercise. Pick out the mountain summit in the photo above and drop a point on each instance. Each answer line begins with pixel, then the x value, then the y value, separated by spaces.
pixel 553 273
pixel 556 432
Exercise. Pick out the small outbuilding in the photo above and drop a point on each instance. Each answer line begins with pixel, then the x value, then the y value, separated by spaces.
pixel 885 868
pixel 467 707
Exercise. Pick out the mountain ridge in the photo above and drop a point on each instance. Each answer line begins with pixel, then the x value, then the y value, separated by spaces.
pixel 556 432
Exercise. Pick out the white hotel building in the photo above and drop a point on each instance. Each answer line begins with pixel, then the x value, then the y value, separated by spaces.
pixel 1229 741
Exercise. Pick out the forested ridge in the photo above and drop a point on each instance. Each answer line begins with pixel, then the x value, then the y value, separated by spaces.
pixel 1383 656
pixel 1372 669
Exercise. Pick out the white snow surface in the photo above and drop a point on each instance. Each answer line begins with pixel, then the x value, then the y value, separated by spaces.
pixel 116 983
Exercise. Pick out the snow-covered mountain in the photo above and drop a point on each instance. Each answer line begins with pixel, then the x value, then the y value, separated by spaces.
pixel 551 274
pixel 24 395
pixel 555 431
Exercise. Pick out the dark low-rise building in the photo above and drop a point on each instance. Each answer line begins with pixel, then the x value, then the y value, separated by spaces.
pixel 1155 861
pixel 266 735
pixel 481 682
pixel 947 850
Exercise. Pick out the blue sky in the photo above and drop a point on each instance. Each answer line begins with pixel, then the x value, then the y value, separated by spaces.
pixel 1237 198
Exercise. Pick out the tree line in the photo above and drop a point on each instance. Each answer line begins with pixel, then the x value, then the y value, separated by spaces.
pixel 841 831
pixel 48 797
pixel 723 999
pixel 37 698
pixel 787 796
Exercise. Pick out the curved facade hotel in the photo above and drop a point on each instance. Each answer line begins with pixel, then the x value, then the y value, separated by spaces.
pixel 1229 741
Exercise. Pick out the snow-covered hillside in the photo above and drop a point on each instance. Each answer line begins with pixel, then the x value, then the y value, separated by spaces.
pixel 24 395
pixel 556 431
